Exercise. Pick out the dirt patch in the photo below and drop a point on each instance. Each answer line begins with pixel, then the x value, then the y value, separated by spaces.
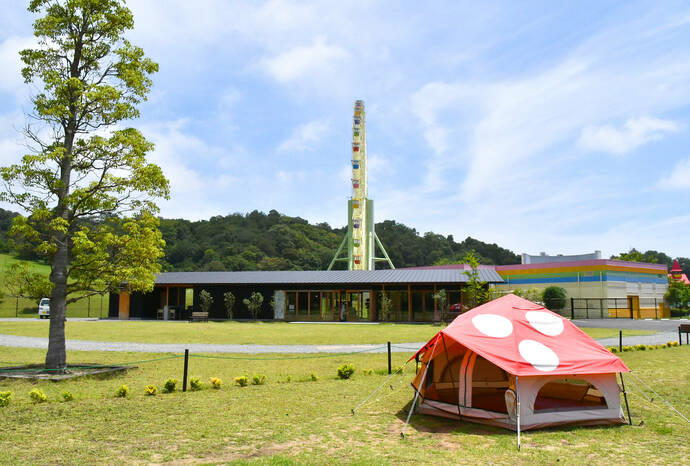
pixel 38 372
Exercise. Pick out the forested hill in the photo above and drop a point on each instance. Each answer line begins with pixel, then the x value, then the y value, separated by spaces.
pixel 258 241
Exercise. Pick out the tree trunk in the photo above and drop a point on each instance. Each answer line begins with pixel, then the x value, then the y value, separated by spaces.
pixel 56 358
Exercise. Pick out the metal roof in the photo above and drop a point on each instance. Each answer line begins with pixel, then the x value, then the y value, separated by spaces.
pixel 323 277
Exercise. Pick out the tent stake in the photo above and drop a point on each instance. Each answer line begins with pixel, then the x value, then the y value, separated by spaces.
pixel 517 389
pixel 421 384
pixel 625 397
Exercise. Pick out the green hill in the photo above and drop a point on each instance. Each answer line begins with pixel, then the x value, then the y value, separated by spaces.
pixel 258 241
pixel 10 307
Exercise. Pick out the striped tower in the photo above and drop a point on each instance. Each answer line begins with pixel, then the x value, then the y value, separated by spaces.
pixel 361 237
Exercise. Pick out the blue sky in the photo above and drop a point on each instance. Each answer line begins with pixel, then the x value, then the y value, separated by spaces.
pixel 538 126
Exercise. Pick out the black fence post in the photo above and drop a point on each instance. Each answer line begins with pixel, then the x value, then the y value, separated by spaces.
pixel 389 357
pixel 184 375
pixel 416 363
pixel 620 341
pixel 601 307
pixel 656 310
pixel 680 339
pixel 572 308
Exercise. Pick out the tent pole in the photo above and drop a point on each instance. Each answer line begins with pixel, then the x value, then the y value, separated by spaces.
pixel 625 397
pixel 421 384
pixel 517 389
pixel 445 348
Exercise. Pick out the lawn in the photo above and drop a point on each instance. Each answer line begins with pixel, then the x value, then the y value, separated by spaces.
pixel 288 421
pixel 266 333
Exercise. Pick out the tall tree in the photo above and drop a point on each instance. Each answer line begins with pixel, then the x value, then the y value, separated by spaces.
pixel 86 184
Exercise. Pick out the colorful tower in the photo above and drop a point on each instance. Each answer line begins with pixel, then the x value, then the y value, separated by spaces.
pixel 361 239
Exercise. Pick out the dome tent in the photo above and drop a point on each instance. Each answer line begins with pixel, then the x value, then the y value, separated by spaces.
pixel 515 364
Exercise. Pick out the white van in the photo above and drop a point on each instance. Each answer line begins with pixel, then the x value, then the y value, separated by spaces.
pixel 44 308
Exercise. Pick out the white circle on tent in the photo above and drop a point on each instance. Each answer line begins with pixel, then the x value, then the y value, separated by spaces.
pixel 540 356
pixel 546 323
pixel 492 325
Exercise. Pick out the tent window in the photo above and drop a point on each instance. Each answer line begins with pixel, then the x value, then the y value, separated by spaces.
pixel 442 379
pixel 568 394
pixel 489 385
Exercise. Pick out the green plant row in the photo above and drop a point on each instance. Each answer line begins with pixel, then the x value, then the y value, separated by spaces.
pixel 641 347
pixel 35 395
pixel 344 372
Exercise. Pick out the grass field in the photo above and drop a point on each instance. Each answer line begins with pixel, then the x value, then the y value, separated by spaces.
pixel 299 421
pixel 96 306
pixel 267 333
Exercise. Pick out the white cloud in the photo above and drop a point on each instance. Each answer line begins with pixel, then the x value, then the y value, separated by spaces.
pixel 297 62
pixel 196 170
pixel 679 178
pixel 230 97
pixel 305 136
pixel 11 80
pixel 634 133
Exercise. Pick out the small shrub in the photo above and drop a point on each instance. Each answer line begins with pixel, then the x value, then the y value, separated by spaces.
pixel 368 371
pixel 628 348
pixel 258 379
pixel 67 396
pixel 641 347
pixel 150 390
pixel 122 392
pixel 216 383
pixel 37 396
pixel 399 368
pixel 345 371
pixel 195 384
pixel 169 385
pixel 5 398
pixel 288 379
pixel 242 381
pixel 314 377
pixel 613 349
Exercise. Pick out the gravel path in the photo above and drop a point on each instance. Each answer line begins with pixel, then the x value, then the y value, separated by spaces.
pixel 87 345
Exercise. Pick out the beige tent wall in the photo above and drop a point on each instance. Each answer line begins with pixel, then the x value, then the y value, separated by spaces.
pixel 457 369
pixel 605 383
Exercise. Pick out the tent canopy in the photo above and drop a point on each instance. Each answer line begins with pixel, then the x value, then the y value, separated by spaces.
pixel 524 338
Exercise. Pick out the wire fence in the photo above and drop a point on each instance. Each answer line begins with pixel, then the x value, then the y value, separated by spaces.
pixel 615 308
pixel 186 355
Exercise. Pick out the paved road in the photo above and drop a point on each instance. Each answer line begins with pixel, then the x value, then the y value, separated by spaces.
pixel 633 324
pixel 87 345
pixel 667 330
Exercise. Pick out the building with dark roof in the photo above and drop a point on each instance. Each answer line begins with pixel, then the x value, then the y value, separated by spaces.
pixel 351 295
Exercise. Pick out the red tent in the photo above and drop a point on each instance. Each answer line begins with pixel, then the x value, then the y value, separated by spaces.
pixel 512 349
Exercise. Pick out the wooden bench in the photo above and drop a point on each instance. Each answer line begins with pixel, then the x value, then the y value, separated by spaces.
pixel 199 316
pixel 683 328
